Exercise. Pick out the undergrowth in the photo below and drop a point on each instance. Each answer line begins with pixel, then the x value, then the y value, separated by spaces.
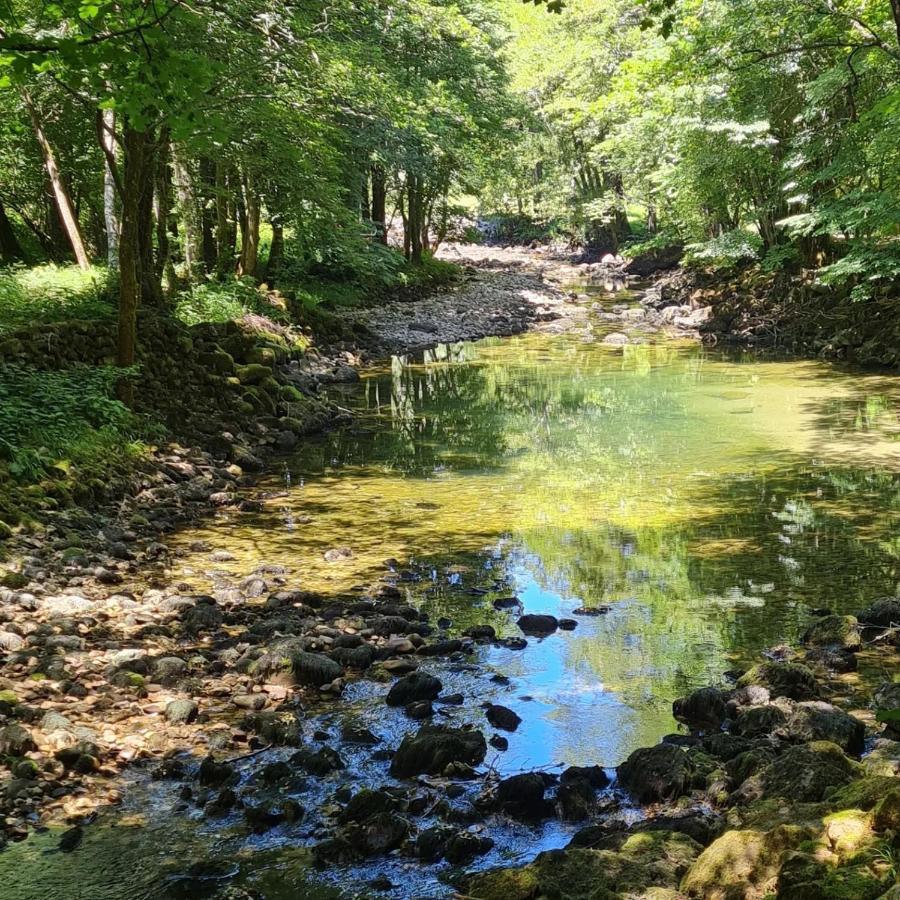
pixel 50 293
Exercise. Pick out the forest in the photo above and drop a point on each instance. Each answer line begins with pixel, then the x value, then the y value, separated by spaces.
pixel 448 449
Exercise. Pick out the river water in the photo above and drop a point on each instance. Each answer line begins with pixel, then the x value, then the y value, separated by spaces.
pixel 706 502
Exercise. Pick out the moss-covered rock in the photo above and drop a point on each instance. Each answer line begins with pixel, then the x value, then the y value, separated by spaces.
pixel 783 679
pixel 742 864
pixel 253 373
pixel 834 631
pixel 663 772
pixel 647 861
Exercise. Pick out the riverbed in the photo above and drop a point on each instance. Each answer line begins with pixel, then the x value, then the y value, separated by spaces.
pixel 685 507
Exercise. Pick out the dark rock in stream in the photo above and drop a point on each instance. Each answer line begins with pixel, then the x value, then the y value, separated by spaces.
pixel 538 625
pixel 314 669
pixel 882 613
pixel 703 709
pixel 412 687
pixel 522 796
pixel 502 717
pixel 435 747
pixel 663 772
pixel 322 762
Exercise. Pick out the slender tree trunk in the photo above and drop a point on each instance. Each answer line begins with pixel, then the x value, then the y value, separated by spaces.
pixel 895 11
pixel 365 204
pixel 414 218
pixel 64 205
pixel 276 251
pixel 10 248
pixel 225 230
pixel 164 270
pixel 110 220
pixel 206 186
pixel 135 147
pixel 189 213
pixel 379 203
pixel 151 285
pixel 249 258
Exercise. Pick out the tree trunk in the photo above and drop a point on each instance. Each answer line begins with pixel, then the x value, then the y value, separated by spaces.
pixel 151 285
pixel 249 258
pixel 110 220
pixel 10 248
pixel 67 214
pixel 189 212
pixel 225 230
pixel 414 218
pixel 135 147
pixel 379 204
pixel 207 213
pixel 895 11
pixel 164 270
pixel 276 251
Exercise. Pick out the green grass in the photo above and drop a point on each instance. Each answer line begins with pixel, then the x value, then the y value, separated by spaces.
pixel 50 293
pixel 222 301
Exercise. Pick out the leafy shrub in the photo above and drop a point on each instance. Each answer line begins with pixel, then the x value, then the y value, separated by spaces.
pixel 62 419
pixel 221 301
pixel 782 256
pixel 726 250
pixel 661 240
pixel 50 293
pixel 515 229
pixel 866 266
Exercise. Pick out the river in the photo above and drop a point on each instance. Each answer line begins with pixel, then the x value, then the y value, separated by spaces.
pixel 700 503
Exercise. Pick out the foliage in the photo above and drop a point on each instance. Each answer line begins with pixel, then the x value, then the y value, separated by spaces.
pixel 49 293
pixel 728 249
pixel 65 420
pixel 220 301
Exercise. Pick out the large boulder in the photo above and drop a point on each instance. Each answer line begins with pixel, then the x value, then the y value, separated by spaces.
pixel 882 613
pixel 434 747
pixel 818 721
pixel 782 679
pixel 806 773
pixel 839 632
pixel 538 625
pixel 704 709
pixel 314 669
pixel 663 772
pixel 522 796
pixel 414 687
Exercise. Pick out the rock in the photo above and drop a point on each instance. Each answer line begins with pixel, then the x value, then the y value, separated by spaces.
pixel 379 834
pixel 703 709
pixel 837 632
pixel 367 803
pixel 11 642
pixel 522 796
pixel 498 742
pixel 502 717
pixel 663 772
pixel 215 774
pixel 818 721
pixel 419 709
pixel 322 762
pixel 615 339
pixel 337 554
pixel 434 747
pixel 180 712
pixel 314 669
pixel 357 734
pixel 741 864
pixel 538 625
pixel 783 679
pixel 882 613
pixel 464 846
pixel 700 825
pixel 803 774
pixel 252 702
pixel 15 741
pixel 758 721
pixel 593 775
pixel 431 842
pixel 567 624
pixel 169 670
pixel 575 799
pixel 412 687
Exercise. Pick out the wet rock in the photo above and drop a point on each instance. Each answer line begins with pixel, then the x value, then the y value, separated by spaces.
pixel 700 825
pixel 202 617
pixel 513 643
pixel 379 834
pixel 314 669
pixel 591 610
pixel 464 846
pixel 758 721
pixel 575 799
pixel 434 747
pixel 367 803
pixel 215 774
pixel 386 626
pixel 840 632
pixel 321 762
pixel 413 687
pixel 456 699
pixel 180 712
pixel 252 702
pixel 651 774
pixel 354 657
pixel 593 775
pixel 567 624
pixel 278 727
pixel 419 709
pixel 887 707
pixel 783 679
pixel 358 734
pixel 337 554
pixel 615 339
pixel 502 717
pixel 262 818
pixel 498 742
pixel 482 633
pixel 538 625
pixel 703 709
pixel 522 796
pixel 441 648
pixel 431 842
pixel 725 746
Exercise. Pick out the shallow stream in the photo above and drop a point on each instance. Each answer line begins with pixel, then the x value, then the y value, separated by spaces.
pixel 706 502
